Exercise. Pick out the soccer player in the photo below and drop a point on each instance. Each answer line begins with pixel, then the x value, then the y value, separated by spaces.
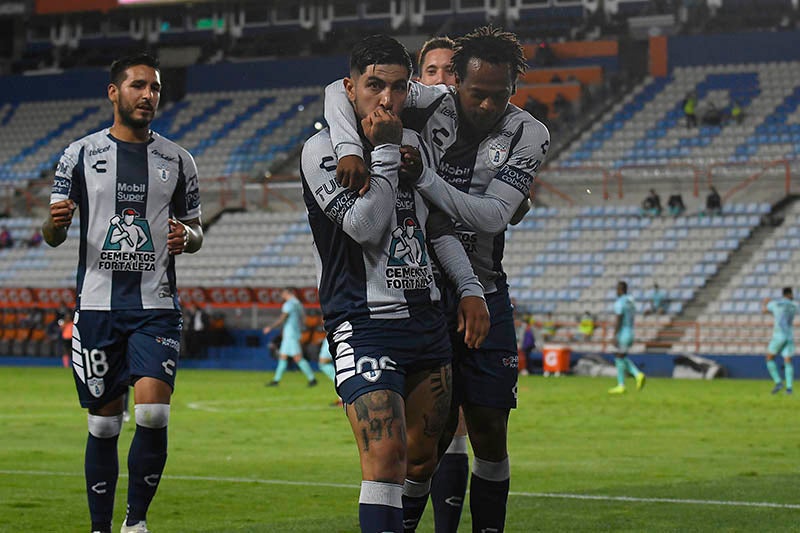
pixel 292 319
pixel 435 62
pixel 381 312
pixel 487 152
pixel 782 342
pixel 625 309
pixel 127 325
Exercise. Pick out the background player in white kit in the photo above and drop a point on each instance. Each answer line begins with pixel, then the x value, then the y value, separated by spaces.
pixel 127 319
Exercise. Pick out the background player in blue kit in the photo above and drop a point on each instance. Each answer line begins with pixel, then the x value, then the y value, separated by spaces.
pixel 625 310
pixel 782 342
pixel 292 319
pixel 130 185
pixel 382 314
pixel 486 153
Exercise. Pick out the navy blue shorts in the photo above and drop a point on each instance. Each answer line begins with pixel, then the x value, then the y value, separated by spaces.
pixel 110 349
pixel 486 376
pixel 372 354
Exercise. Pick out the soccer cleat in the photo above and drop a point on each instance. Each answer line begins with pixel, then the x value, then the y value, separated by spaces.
pixel 312 383
pixel 641 379
pixel 273 383
pixel 777 388
pixel 619 389
pixel 140 527
pixel 788 391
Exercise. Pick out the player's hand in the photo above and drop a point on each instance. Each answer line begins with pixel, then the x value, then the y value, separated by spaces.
pixel 266 330
pixel 61 213
pixel 473 320
pixel 352 173
pixel 177 238
pixel 382 126
pixel 410 165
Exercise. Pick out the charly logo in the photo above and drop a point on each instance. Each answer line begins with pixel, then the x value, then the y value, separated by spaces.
pixel 128 245
pixel 408 245
pixel 497 153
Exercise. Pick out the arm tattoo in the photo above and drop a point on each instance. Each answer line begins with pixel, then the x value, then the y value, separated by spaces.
pixel 377 413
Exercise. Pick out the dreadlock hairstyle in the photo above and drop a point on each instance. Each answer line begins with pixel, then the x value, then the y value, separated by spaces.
pixel 492 45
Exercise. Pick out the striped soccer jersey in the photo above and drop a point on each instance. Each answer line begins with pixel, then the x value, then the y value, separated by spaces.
pixel 372 255
pixel 125 193
pixel 480 182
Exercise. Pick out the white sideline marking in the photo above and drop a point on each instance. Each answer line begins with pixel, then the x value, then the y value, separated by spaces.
pixel 209 408
pixel 631 499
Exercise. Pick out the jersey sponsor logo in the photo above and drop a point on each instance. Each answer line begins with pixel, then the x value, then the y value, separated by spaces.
pixel 192 193
pixel 61 185
pixel 173 344
pixel 101 150
pixel 512 361
pixel 468 238
pixel 406 268
pixel 62 169
pixel 99 166
pixel 340 205
pixel 128 246
pixel 449 112
pixel 496 154
pixel 132 192
pixel 527 163
pixel 163 156
pixel 453 174
pixel 515 177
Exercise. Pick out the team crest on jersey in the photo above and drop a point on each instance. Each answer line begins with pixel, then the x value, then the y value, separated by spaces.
pixel 163 172
pixel 497 153
pixel 96 386
pixel 128 245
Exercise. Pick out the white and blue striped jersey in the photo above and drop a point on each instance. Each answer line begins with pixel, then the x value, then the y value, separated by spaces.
pixel 125 193
pixel 479 182
pixel 372 253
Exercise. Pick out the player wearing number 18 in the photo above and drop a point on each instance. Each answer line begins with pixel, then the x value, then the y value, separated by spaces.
pixel 139 206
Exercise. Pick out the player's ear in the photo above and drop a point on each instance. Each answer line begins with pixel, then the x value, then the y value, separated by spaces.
pixel 350 88
pixel 113 93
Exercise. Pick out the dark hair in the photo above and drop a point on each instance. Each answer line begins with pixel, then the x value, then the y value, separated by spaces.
pixel 492 45
pixel 122 64
pixel 437 43
pixel 787 291
pixel 624 286
pixel 379 50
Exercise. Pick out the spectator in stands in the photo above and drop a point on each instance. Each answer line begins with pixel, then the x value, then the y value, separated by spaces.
pixel 586 326
pixel 690 109
pixel 291 322
pixel 675 204
pixel 563 108
pixel 713 202
pixel 196 326
pixel 658 301
pixel 782 342
pixel 556 79
pixel 545 56
pixel 35 240
pixel 527 345
pixel 651 205
pixel 434 62
pixel 737 114
pixel 6 240
pixel 549 328
pixel 712 115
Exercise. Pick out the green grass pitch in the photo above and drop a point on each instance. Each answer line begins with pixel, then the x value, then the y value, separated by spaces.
pixel 677 456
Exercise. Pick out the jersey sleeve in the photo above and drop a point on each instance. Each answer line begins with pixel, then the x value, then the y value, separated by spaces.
pixel 286 308
pixel 771 306
pixel 186 198
pixel 68 181
pixel 493 210
pixel 342 122
pixel 618 307
pixel 451 255
pixel 364 218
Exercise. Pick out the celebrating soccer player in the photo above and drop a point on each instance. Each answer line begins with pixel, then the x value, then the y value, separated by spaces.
pixel 139 202
pixel 378 296
pixel 486 153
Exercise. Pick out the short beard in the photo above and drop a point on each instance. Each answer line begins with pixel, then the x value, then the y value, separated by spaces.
pixel 126 116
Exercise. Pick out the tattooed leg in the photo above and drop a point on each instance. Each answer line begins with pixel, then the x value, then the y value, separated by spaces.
pixel 378 422
pixel 427 413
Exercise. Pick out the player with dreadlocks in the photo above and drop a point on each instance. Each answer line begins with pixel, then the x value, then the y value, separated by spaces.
pixel 486 152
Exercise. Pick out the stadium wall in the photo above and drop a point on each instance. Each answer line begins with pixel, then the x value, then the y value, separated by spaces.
pixel 733 48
